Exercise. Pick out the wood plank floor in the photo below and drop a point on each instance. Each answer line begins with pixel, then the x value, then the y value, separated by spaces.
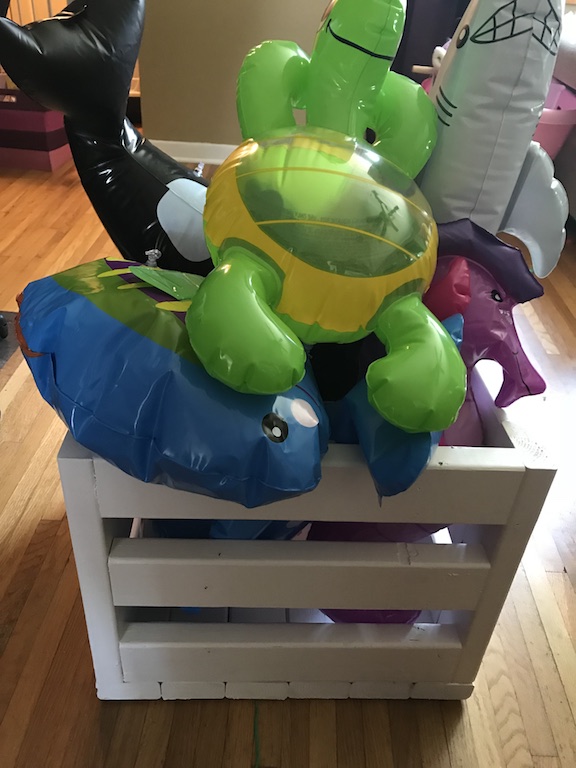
pixel 523 711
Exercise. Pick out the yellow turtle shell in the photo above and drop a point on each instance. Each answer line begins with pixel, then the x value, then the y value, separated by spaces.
pixel 345 229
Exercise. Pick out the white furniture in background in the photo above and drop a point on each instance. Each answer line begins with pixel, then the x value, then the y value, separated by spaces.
pixel 259 636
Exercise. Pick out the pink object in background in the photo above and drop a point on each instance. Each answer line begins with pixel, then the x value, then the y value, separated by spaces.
pixel 558 118
pixel 427 84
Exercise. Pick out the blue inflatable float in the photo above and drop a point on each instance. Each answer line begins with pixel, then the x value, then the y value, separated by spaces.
pixel 111 355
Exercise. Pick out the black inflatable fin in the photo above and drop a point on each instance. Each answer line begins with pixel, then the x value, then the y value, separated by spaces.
pixel 79 62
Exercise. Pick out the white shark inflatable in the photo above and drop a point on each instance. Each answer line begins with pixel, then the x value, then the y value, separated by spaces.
pixel 489 93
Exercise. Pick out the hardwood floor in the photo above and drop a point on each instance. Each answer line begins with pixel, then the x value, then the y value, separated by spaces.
pixel 522 713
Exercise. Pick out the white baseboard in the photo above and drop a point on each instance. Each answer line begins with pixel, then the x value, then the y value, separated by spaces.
pixel 194 151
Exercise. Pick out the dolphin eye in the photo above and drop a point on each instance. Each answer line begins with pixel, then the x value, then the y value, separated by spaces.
pixel 274 428
pixel 497 296
pixel 304 413
pixel 463 36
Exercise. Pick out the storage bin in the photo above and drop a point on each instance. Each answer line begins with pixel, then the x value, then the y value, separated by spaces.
pixel 258 634
pixel 557 119
pixel 31 137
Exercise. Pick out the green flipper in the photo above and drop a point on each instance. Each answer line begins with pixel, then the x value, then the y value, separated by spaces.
pixel 421 383
pixel 235 333
pixel 405 124
pixel 271 83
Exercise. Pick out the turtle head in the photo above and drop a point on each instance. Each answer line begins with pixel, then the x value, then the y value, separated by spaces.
pixel 355 47
pixel 369 27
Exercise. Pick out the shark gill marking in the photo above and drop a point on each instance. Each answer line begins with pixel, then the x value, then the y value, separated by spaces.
pixel 508 22
pixel 446 99
pixel 355 45
pixel 446 111
pixel 441 101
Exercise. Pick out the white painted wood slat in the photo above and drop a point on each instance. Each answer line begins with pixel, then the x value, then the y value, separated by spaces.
pixel 298 574
pixel 483 483
pixel 287 652
pixel 91 540
pixel 174 691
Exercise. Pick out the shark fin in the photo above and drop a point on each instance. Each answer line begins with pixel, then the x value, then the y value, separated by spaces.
pixel 538 211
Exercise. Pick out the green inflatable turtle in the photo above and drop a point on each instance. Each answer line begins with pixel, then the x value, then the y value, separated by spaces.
pixel 318 237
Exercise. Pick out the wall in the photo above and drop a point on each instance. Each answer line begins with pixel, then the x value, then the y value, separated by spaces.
pixel 190 57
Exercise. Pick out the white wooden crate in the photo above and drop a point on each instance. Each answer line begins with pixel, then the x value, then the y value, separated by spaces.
pixel 259 635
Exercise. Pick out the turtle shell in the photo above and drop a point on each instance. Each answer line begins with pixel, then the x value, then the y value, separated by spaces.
pixel 318 199
pixel 329 201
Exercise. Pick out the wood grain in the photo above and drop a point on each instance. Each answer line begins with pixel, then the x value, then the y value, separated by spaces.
pixel 323 738
pixel 521 715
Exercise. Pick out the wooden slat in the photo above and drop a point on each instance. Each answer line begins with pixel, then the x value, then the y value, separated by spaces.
pixel 506 546
pixel 461 736
pixel 323 730
pixel 380 690
pixel 561 644
pixel 350 749
pixel 432 737
pixel 528 692
pixel 508 722
pixel 91 541
pixel 23 580
pixel 239 736
pixel 232 652
pixel 299 574
pixel 209 747
pixel 25 634
pixel 325 690
pixel 556 705
pixel 404 729
pixel 377 734
pixel 483 484
pixel 257 691
pixel 271 730
pixel 183 734
pixel 155 735
pixel 17 716
pixel 172 691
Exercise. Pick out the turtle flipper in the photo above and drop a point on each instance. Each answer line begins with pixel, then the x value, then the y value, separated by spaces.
pixel 235 333
pixel 271 84
pixel 405 124
pixel 421 383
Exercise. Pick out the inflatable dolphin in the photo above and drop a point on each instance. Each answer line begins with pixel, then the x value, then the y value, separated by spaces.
pixel 80 62
pixel 112 357
pixel 489 93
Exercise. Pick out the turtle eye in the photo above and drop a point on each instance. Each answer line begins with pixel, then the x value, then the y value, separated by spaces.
pixel 496 295
pixel 370 135
pixel 275 428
